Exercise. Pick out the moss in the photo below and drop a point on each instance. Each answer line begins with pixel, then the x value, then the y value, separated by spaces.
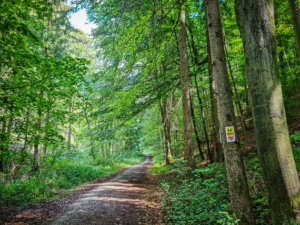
pixel 295 201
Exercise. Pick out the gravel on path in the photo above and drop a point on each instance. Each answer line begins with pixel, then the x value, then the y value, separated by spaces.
pixel 118 201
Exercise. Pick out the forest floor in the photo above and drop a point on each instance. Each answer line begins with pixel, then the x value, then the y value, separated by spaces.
pixel 129 197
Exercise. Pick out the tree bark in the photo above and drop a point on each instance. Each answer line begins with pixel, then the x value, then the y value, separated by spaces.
pixel 2 140
pixel 198 140
pixel 186 105
pixel 209 153
pixel 256 23
pixel 237 181
pixel 295 13
pixel 215 123
pixel 167 130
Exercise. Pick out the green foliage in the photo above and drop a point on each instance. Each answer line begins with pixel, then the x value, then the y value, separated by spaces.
pixel 158 164
pixel 50 183
pixel 295 140
pixel 203 198
pixel 200 199
pixel 23 192
pixel 257 189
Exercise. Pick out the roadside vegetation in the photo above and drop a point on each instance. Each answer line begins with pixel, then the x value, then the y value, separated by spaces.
pixel 57 179
pixel 203 197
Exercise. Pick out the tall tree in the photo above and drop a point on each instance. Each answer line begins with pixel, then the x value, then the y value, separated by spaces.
pixel 186 104
pixel 237 181
pixel 256 23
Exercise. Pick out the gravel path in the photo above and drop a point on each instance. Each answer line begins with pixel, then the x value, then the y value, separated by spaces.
pixel 117 201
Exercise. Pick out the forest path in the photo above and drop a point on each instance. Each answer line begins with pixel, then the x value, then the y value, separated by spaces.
pixel 119 201
pixel 128 197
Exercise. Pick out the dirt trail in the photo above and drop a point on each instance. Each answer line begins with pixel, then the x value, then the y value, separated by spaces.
pixel 128 198
pixel 117 201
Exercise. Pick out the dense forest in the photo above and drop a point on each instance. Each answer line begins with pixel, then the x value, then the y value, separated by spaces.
pixel 209 88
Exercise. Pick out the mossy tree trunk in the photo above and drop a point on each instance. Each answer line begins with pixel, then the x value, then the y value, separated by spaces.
pixel 256 23
pixel 237 181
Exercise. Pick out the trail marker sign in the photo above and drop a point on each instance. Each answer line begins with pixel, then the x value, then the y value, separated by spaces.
pixel 230 134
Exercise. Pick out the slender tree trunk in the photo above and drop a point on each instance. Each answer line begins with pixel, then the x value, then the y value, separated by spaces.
pixel 237 181
pixel 237 96
pixel 198 140
pixel 295 13
pixel 256 22
pixel 38 135
pixel 209 152
pixel 47 124
pixel 16 165
pixel 69 133
pixel 199 65
pixel 36 145
pixel 92 152
pixel 2 141
pixel 186 105
pixel 167 130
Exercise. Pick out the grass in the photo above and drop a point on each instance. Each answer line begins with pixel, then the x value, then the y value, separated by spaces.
pixel 62 177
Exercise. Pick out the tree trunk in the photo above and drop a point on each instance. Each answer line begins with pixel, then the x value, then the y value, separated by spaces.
pixel 38 135
pixel 215 123
pixel 237 181
pixel 2 141
pixel 85 114
pixel 69 133
pixel 186 105
pixel 165 116
pixel 215 135
pixel 36 145
pixel 198 140
pixel 256 22
pixel 209 152
pixel 295 13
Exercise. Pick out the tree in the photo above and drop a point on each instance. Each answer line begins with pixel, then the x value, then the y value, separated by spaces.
pixel 186 104
pixel 237 181
pixel 295 13
pixel 256 23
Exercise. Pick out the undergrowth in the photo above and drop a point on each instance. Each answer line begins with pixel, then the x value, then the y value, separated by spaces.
pixel 203 198
pixel 199 199
pixel 52 180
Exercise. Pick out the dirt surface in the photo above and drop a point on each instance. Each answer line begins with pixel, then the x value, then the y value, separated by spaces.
pixel 129 198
